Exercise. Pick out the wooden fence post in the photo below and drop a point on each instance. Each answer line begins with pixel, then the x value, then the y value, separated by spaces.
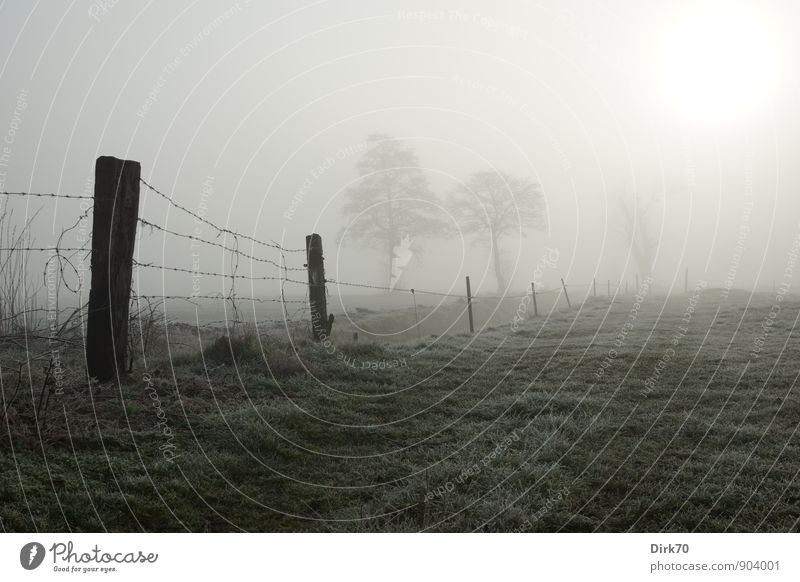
pixel 116 210
pixel 321 322
pixel 416 315
pixel 533 294
pixel 564 285
pixel 469 307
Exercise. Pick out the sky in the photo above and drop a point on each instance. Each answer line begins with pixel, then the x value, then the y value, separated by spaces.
pixel 255 114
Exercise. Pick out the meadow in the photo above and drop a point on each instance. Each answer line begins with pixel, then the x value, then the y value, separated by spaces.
pixel 667 414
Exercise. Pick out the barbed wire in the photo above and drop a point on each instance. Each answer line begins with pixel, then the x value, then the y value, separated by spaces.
pixel 220 229
pixel 47 195
pixel 44 249
pixel 394 289
pixel 27 322
pixel 189 298
pixel 230 322
pixel 212 274
pixel 68 260
pixel 232 296
pixel 426 292
pixel 217 244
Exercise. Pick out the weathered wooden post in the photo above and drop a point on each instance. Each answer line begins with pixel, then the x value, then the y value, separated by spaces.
pixel 609 287
pixel 116 210
pixel 469 307
pixel 594 287
pixel 564 285
pixel 321 322
pixel 416 315
pixel 533 294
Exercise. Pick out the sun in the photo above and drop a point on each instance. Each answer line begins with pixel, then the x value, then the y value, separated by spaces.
pixel 718 65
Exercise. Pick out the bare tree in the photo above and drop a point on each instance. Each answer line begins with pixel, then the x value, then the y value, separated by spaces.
pixel 391 205
pixel 638 231
pixel 494 205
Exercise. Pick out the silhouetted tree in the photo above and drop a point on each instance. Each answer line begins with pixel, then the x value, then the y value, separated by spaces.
pixel 391 203
pixel 638 231
pixel 494 205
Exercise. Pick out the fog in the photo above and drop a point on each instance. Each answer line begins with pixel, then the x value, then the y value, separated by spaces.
pixel 257 115
pixel 445 266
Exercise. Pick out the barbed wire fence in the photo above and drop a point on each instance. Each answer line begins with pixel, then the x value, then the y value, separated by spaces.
pixel 64 262
pixel 283 276
pixel 22 315
pixel 19 307
pixel 119 181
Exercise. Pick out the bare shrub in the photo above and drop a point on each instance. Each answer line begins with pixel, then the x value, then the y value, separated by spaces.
pixel 18 309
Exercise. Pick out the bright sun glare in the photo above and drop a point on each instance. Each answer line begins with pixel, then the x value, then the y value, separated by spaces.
pixel 718 65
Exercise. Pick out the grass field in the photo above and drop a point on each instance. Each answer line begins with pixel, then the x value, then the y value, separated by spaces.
pixel 609 417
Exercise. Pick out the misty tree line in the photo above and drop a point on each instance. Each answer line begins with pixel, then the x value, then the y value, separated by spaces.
pixel 392 205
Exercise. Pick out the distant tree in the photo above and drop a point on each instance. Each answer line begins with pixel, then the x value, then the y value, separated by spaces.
pixel 494 205
pixel 638 231
pixel 390 204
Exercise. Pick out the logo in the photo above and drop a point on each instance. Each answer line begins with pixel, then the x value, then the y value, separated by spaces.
pixel 31 555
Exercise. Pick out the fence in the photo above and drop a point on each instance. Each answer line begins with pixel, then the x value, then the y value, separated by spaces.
pixel 115 224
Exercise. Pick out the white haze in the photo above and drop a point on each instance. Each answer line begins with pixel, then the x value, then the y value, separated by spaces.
pixel 570 93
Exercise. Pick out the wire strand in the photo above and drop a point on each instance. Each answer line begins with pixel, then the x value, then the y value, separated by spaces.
pixel 220 229
pixel 219 245
pixel 47 195
pixel 212 274
pixel 219 296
